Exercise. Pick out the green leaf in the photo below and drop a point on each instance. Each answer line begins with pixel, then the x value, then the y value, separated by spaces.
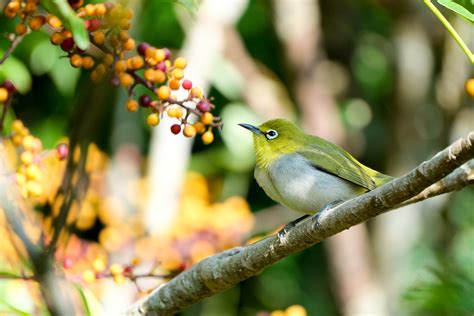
pixel 92 306
pixel 15 71
pixel 191 5
pixel 66 14
pixel 464 8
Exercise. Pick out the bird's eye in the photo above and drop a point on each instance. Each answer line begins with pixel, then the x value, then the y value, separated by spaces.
pixel 271 134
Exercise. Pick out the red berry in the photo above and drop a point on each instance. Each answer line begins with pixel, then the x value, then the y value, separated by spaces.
pixel 175 129
pixel 145 100
pixel 167 53
pixel 74 3
pixel 62 151
pixel 161 66
pixel 142 47
pixel 127 270
pixel 92 25
pixel 187 84
pixel 204 106
pixel 7 84
pixel 67 44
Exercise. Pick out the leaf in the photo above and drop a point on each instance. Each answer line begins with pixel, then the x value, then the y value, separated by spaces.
pixel 464 8
pixel 15 71
pixel 66 14
pixel 92 306
pixel 191 5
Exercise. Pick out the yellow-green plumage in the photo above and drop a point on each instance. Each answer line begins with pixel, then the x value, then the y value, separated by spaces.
pixel 305 172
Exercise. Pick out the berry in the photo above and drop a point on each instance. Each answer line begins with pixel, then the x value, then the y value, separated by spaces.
pixel 164 92
pixel 150 52
pixel 175 129
pixel 207 118
pixel 149 74
pixel 68 263
pixel 62 151
pixel 120 66
pixel 67 44
pixel 56 38
pixel 21 29
pixel 7 84
pixel 36 22
pixel 160 76
pixel 167 53
pixel 145 100
pixel 115 269
pixel 88 276
pixel 98 38
pixel 196 92
pixel 180 62
pixel 4 95
pixel 160 55
pixel 26 157
pixel 126 80
pixel 204 105
pixel 100 9
pixel 76 61
pixel 174 84
pixel 200 128
pixel 470 87
pixel 178 74
pixel 34 188
pixel 207 138
pixel 129 44
pixel 187 84
pixel 132 105
pixel 98 265
pixel 161 66
pixel 90 9
pixel 53 21
pixel 189 131
pixel 153 119
pixel 87 62
pixel 142 47
pixel 92 25
pixel 75 3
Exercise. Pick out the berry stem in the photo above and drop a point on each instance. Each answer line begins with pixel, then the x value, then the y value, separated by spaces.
pixel 11 48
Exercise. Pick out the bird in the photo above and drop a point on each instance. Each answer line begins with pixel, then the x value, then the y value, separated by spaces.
pixel 307 173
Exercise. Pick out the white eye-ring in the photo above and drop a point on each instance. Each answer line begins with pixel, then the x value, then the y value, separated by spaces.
pixel 271 134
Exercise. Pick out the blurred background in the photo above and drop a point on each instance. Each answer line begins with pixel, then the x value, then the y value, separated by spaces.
pixel 381 78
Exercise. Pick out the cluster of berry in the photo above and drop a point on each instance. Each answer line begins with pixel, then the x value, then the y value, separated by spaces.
pixel 111 57
pixel 100 270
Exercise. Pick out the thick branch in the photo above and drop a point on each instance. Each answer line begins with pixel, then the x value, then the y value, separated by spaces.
pixel 225 270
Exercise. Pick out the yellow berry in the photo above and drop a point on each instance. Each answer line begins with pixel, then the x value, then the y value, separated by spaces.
pixel 119 279
pixel 124 24
pixel 164 92
pixel 26 157
pixel 34 188
pixel 150 52
pixel 189 131
pixel 115 269
pixel 296 310
pixel 129 44
pixel 3 94
pixel 126 80
pixel 200 128
pixel 53 21
pixel 28 142
pixel 17 126
pixel 178 74
pixel 173 84
pixel 149 74
pixel 160 76
pixel 207 118
pixel 160 55
pixel 153 119
pixel 98 265
pixel 17 139
pixel 33 172
pixel 207 137
pixel 137 62
pixel 132 105
pixel 100 9
pixel 120 66
pixel 76 61
pixel 20 178
pixel 88 276
pixel 196 92
pixel 90 9
pixel 180 62
pixel 109 59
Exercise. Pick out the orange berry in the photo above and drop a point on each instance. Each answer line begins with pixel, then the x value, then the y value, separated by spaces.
pixel 296 310
pixel 163 92
pixel 3 94
pixel 53 21
pixel 470 87
pixel 196 92
pixel 200 128
pixel 90 9
pixel 137 62
pixel 124 24
pixel 178 74
pixel 29 8
pixel 108 59
pixel 76 61
pixel 17 139
pixel 87 62
pixel 149 74
pixel 101 69
pixel 126 80
pixel 21 29
pixel 127 14
pixel 189 131
pixel 207 118
pixel 123 36
pixel 207 138
pixel 174 84
pixel 57 38
pixel 129 44
pixel 180 62
pixel 150 52
pixel 160 76
pixel 120 66
pixel 153 119
pixel 36 22
pixel 98 37
pixel 132 105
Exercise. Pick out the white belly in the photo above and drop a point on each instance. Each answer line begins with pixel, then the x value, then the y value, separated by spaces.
pixel 295 183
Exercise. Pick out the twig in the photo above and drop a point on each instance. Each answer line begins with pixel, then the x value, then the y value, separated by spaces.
pixel 224 270
pixel 11 48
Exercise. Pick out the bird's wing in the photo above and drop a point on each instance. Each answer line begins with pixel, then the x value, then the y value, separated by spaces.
pixel 334 160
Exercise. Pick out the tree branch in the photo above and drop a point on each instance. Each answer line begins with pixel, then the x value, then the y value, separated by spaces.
pixel 224 270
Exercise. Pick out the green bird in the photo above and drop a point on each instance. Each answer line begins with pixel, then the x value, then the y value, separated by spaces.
pixel 307 173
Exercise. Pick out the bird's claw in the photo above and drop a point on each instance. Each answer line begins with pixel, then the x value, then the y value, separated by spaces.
pixel 317 217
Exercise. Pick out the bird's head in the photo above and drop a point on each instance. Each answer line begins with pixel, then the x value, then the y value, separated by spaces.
pixel 275 138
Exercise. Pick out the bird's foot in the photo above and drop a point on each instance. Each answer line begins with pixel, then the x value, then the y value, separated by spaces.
pixel 324 210
pixel 286 229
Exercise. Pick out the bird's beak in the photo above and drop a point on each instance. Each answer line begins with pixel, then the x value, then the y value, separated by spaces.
pixel 251 128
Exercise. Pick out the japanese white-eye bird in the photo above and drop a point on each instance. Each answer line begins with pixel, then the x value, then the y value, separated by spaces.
pixel 307 173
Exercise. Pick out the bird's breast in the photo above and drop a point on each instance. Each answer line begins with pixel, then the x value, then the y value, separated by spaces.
pixel 294 182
